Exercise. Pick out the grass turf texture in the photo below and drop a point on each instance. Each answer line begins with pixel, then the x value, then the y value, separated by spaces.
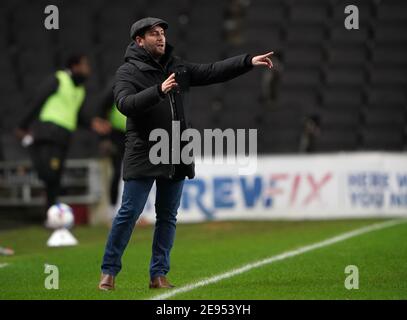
pixel 207 249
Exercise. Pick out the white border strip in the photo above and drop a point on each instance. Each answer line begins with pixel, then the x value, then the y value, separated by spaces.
pixel 3 265
pixel 282 256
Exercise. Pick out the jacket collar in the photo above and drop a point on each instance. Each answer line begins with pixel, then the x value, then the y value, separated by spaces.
pixel 143 60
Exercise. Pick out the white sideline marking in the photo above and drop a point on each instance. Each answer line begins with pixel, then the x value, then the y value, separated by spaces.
pixel 282 256
pixel 3 265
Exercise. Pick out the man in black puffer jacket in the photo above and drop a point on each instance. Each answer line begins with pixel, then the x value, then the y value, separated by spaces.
pixel 149 90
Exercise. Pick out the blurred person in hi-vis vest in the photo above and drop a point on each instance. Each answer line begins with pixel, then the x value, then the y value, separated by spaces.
pixel 110 123
pixel 51 118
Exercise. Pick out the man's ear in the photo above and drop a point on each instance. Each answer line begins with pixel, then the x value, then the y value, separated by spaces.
pixel 139 41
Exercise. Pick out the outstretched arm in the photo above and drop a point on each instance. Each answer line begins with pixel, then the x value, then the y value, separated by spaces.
pixel 221 71
pixel 46 88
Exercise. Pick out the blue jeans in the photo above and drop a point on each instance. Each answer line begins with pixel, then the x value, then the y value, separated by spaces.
pixel 134 198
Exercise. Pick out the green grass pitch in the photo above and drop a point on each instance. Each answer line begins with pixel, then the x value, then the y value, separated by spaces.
pixel 207 249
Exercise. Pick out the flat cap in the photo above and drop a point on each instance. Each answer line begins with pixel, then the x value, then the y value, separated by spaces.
pixel 144 24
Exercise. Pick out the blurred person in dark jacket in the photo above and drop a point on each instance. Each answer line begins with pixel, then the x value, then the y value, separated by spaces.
pixel 51 119
pixel 310 133
pixel 270 84
pixel 111 124
pixel 149 90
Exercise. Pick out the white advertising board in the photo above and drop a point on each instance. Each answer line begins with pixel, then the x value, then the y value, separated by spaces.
pixel 324 186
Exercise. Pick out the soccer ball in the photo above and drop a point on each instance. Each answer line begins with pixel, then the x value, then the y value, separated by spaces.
pixel 59 216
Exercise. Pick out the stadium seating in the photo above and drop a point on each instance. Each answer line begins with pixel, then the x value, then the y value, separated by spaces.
pixel 354 80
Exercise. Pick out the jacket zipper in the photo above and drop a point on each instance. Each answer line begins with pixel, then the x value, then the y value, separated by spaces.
pixel 173 118
pixel 173 115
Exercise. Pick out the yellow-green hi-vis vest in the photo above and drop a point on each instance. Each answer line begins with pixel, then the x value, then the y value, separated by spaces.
pixel 117 119
pixel 62 107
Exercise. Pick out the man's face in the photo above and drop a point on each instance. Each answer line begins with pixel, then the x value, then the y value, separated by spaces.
pixel 82 68
pixel 153 41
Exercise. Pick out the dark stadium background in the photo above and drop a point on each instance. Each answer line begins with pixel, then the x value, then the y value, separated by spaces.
pixel 351 83
pixel 334 93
